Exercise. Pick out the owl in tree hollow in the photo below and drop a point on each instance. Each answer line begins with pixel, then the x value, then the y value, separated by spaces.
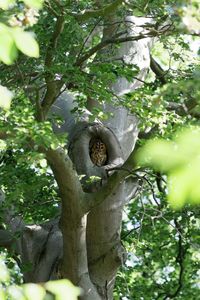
pixel 98 152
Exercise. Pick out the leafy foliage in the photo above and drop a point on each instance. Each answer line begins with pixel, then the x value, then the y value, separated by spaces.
pixel 179 159
pixel 58 290
pixel 163 257
pixel 162 244
pixel 13 37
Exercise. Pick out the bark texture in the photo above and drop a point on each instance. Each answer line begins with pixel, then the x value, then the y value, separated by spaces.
pixel 88 251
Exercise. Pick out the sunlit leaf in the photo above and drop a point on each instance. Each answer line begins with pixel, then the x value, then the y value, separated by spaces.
pixel 8 50
pixel 5 4
pixel 15 292
pixel 178 188
pixel 157 153
pixel 180 160
pixel 2 145
pixel 2 294
pixel 191 18
pixel 4 274
pixel 189 141
pixel 43 163
pixel 92 179
pixel 5 97
pixel 33 291
pixel 61 288
pixel 25 42
pixel 34 3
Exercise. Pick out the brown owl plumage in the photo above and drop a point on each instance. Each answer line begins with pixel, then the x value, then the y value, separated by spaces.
pixel 98 152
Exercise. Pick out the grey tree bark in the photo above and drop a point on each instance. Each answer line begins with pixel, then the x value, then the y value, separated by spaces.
pixel 84 245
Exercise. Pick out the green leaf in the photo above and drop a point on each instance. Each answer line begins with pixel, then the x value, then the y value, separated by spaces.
pixel 15 292
pixel 92 179
pixel 180 160
pixel 2 294
pixel 178 188
pixel 160 154
pixel 6 4
pixel 5 97
pixel 25 42
pixel 184 184
pixel 2 145
pixel 33 291
pixel 4 274
pixel 63 287
pixel 8 50
pixel 190 18
pixel 43 163
pixel 34 3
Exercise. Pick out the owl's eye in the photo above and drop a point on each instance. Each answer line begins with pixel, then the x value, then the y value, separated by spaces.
pixel 98 144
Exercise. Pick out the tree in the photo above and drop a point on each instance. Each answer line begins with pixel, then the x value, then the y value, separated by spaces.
pixel 70 137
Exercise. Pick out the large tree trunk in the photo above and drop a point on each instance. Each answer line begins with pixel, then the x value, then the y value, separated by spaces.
pixel 88 251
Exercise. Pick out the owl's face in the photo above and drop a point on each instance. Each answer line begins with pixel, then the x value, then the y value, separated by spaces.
pixel 100 146
pixel 98 152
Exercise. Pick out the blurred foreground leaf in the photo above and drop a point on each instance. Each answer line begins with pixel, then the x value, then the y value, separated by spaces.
pixel 8 50
pixel 5 97
pixel 25 42
pixel 34 291
pixel 4 274
pixel 5 4
pixel 34 3
pixel 63 288
pixel 180 160
pixel 13 38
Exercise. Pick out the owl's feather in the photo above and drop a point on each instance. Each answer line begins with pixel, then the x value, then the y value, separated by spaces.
pixel 98 152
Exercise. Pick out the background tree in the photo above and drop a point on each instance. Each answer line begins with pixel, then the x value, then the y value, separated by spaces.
pixel 93 57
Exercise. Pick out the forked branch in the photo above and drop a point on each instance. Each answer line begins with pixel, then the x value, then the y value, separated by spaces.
pixel 53 86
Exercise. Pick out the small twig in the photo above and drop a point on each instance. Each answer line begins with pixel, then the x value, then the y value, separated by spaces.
pixel 59 4
pixel 87 38
pixel 180 260
pixel 51 9
pixel 20 73
pixel 102 12
pixel 151 187
pixel 142 219
pixel 53 86
pixel 114 40
pixel 162 217
pixel 130 231
pixel 159 181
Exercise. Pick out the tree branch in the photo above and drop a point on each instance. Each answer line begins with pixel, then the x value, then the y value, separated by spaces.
pixel 115 40
pixel 102 12
pixel 180 260
pixel 53 86
pixel 158 70
pixel 182 109
pixel 67 179
pixel 93 199
pixel 51 9
pixel 72 222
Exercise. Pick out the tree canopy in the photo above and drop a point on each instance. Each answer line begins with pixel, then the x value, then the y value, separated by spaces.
pixel 49 47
